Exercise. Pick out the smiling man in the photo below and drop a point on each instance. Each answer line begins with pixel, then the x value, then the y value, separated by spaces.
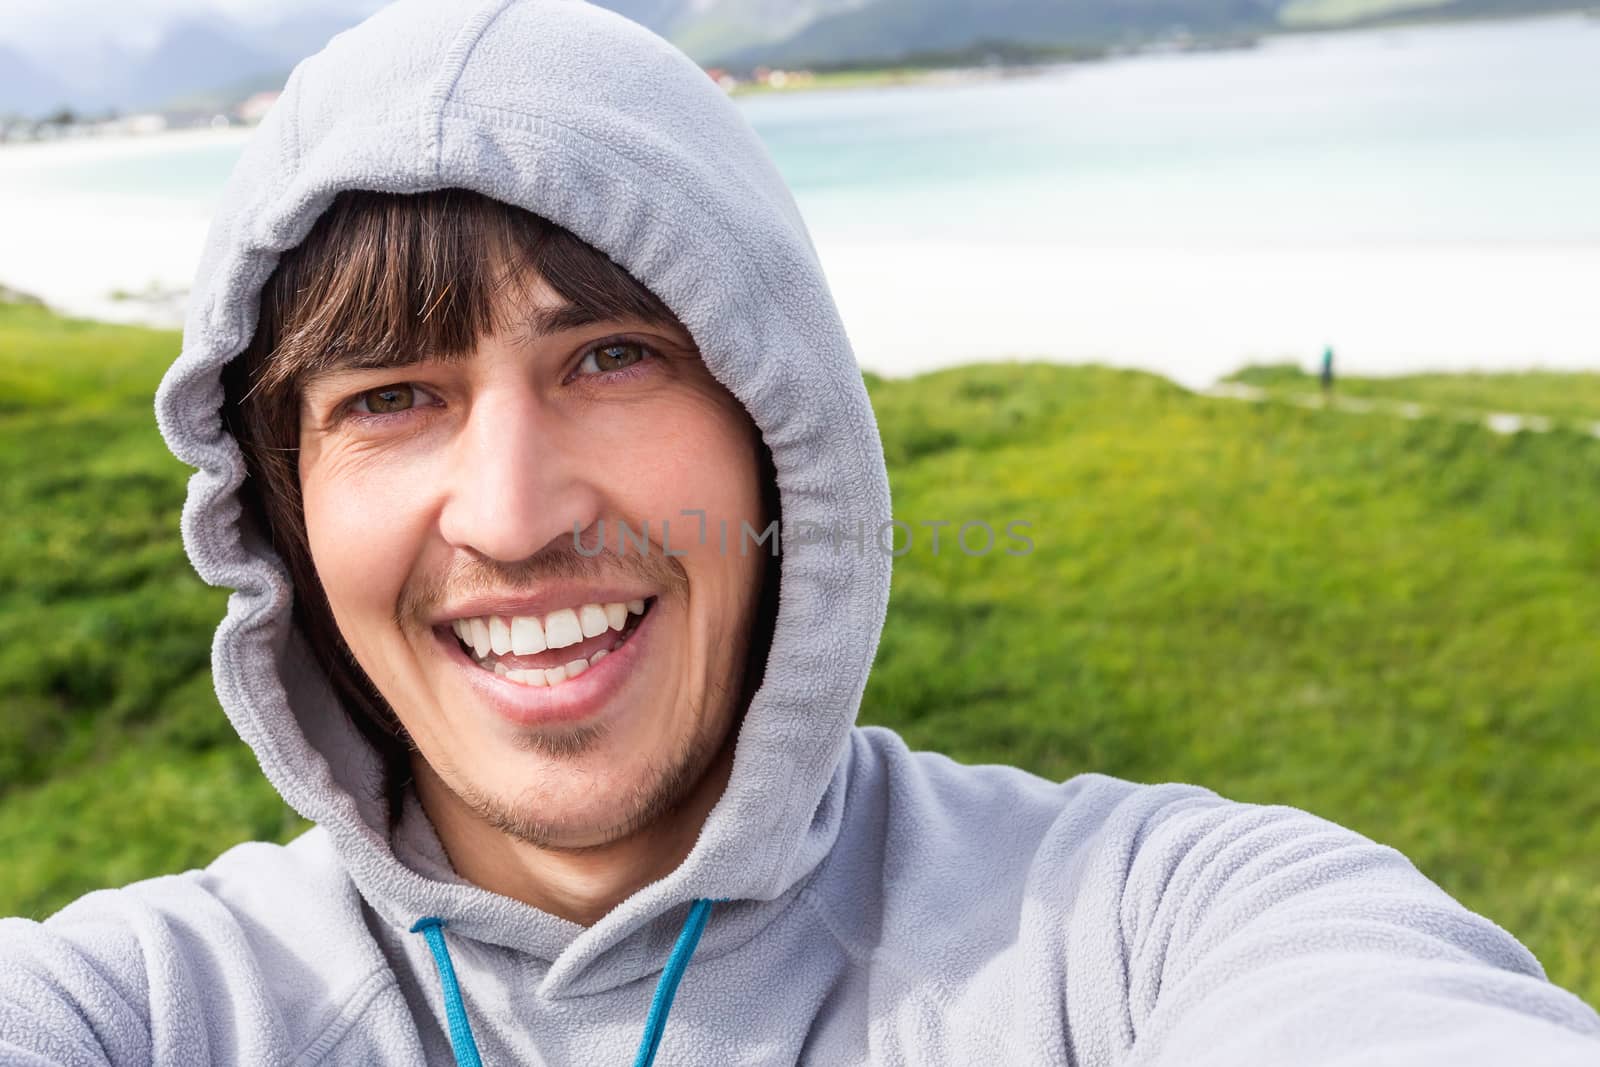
pixel 473 398
pixel 505 322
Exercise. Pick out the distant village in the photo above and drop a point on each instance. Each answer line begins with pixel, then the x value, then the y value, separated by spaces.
pixel 68 124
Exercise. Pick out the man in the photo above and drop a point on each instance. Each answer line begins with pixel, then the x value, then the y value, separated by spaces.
pixel 509 347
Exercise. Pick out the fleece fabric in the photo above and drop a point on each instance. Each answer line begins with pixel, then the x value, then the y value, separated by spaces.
pixel 875 905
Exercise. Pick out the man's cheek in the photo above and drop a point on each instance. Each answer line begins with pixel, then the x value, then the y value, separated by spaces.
pixel 357 541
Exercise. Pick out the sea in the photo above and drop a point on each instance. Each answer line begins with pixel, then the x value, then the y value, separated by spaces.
pixel 1418 198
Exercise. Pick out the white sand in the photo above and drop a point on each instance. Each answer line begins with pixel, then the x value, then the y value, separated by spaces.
pixel 23 155
pixel 1195 314
pixel 74 248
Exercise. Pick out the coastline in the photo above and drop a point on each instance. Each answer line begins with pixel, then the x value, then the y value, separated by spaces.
pixel 88 148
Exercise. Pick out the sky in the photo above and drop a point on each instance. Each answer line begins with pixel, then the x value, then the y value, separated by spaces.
pixel 136 22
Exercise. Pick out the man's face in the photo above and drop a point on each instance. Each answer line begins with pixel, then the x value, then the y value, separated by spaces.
pixel 440 502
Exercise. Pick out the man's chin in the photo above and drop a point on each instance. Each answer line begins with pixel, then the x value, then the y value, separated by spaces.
pixel 580 830
pixel 580 803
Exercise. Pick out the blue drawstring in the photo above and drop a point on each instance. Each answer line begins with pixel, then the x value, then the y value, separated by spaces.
pixel 667 988
pixel 466 1049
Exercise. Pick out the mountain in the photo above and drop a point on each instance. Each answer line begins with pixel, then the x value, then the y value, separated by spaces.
pixel 658 15
pixel 889 29
pixel 291 39
pixel 213 62
pixel 25 89
pixel 192 60
pixel 193 54
pixel 709 29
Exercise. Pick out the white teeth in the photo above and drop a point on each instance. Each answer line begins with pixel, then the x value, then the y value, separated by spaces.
pixel 552 676
pixel 480 637
pixel 499 636
pixel 527 636
pixel 592 618
pixel 561 628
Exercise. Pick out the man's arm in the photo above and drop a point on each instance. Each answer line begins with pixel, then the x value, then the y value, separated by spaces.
pixel 157 972
pixel 263 957
pixel 70 1001
pixel 1267 936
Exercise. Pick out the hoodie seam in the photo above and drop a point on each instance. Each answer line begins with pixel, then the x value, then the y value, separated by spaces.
pixel 291 89
pixel 355 1007
pixel 542 125
pixel 455 65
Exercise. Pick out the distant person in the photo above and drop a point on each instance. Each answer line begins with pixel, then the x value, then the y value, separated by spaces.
pixel 493 275
pixel 1327 372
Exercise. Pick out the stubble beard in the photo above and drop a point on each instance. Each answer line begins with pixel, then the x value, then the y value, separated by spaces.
pixel 662 789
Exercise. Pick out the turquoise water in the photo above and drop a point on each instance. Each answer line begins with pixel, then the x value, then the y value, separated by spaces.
pixel 1473 133
pixel 1480 133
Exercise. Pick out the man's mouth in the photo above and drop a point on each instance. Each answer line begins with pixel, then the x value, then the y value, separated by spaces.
pixel 548 650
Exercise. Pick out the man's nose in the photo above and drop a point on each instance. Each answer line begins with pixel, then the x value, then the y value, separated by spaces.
pixel 517 479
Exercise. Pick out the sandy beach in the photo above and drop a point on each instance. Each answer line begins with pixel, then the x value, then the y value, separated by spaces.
pixel 1196 314
pixel 74 244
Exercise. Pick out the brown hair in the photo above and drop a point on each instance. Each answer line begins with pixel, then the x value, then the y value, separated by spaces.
pixel 388 276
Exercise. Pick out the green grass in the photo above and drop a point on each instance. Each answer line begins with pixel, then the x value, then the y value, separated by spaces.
pixel 1388 622
pixel 115 761
pixel 1572 398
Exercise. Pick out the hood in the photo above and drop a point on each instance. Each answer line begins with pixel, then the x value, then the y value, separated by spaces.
pixel 593 122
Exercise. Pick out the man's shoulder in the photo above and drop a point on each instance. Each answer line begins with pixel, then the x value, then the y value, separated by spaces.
pixel 273 903
pixel 252 881
pixel 1015 821
pixel 274 928
pixel 263 877
pixel 965 803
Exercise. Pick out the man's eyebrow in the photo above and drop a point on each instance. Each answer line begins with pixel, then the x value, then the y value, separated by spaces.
pixel 544 320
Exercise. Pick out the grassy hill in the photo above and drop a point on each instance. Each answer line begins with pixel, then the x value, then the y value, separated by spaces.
pixel 1387 621
pixel 1569 399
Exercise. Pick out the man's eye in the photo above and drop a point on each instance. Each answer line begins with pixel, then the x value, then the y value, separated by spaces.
pixel 612 357
pixel 387 400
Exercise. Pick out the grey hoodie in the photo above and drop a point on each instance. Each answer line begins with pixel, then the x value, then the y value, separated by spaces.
pixel 872 904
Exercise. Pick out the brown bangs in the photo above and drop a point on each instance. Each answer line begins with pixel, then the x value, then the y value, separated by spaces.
pixel 389 279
